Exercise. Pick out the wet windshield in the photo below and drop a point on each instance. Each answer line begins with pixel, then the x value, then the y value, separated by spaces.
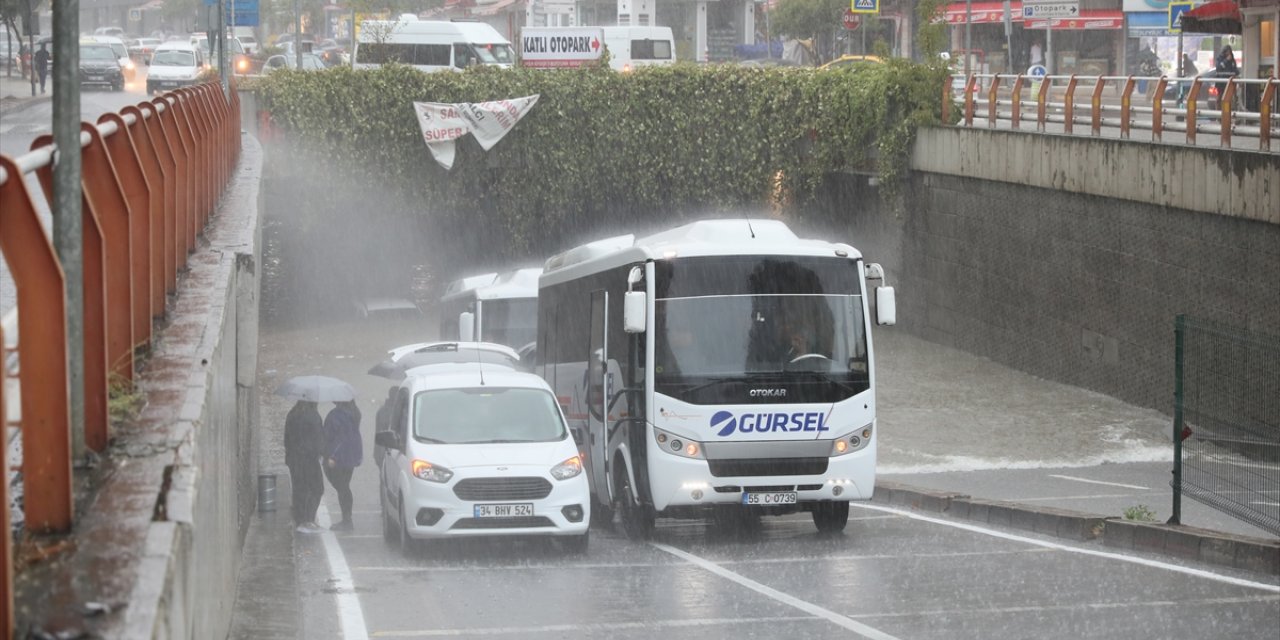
pixel 98 53
pixel 174 59
pixel 789 320
pixel 510 322
pixel 487 415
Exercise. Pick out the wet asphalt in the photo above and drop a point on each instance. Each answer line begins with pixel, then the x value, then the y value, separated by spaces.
pixel 891 574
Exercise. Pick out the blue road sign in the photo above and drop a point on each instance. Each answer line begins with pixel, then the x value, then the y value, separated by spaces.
pixel 242 13
pixel 1037 71
pixel 864 6
pixel 1176 9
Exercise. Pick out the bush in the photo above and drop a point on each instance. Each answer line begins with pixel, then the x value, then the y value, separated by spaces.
pixel 602 147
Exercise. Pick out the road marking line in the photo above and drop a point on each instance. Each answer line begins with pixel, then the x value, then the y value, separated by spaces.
pixel 1087 606
pixel 1109 484
pixel 350 615
pixel 517 567
pixel 1200 573
pixel 807 607
pixel 1096 496
pixel 588 628
pixel 1267 504
pixel 885 556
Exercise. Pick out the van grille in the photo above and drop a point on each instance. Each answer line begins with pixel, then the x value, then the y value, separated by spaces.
pixel 521 522
pixel 490 489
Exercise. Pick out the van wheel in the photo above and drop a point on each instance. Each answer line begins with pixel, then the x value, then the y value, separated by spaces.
pixel 576 545
pixel 389 533
pixel 831 517
pixel 637 519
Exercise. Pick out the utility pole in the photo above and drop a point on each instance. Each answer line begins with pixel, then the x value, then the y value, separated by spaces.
pixel 67 222
pixel 222 43
pixel 297 33
pixel 968 34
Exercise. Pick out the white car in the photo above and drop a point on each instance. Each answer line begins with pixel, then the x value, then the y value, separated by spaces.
pixel 478 450
pixel 173 65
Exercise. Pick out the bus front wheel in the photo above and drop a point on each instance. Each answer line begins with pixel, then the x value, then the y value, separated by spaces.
pixel 637 519
pixel 831 517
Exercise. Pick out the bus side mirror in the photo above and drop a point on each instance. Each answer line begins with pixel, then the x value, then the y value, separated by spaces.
pixel 466 327
pixel 886 308
pixel 633 308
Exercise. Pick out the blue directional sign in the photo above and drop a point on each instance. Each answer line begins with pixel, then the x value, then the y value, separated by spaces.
pixel 1176 9
pixel 242 13
pixel 1037 71
pixel 864 6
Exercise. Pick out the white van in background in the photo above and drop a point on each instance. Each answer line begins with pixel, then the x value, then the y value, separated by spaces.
pixel 631 47
pixel 431 45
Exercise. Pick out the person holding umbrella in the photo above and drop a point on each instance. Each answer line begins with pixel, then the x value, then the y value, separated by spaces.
pixel 343 452
pixel 303 446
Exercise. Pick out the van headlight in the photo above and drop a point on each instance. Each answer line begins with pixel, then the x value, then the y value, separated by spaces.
pixel 568 469
pixel 850 442
pixel 675 445
pixel 424 470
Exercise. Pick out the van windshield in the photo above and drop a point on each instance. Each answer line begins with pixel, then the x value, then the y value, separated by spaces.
pixel 495 53
pixel 485 415
pixel 174 58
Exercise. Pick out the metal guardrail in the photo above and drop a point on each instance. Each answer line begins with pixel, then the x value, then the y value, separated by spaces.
pixel 151 175
pixel 1226 421
pixel 1001 96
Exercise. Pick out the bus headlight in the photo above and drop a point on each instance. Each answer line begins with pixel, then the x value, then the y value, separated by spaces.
pixel 850 442
pixel 676 445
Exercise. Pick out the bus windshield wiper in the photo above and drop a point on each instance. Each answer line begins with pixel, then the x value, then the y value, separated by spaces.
pixel 826 377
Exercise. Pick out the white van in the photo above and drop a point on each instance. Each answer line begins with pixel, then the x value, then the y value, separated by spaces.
pixel 431 45
pixel 631 47
pixel 174 64
pixel 478 450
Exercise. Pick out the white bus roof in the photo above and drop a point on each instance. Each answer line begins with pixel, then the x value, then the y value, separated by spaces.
pixel 737 236
pixel 406 29
pixel 468 284
pixel 518 283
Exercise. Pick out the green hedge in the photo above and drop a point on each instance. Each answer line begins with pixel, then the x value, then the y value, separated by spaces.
pixel 604 147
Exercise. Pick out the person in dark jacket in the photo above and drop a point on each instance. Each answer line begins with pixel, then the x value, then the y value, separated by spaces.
pixel 343 452
pixel 42 65
pixel 1226 62
pixel 303 447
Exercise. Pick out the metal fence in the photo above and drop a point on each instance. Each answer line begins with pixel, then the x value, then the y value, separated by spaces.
pixel 1113 105
pixel 151 176
pixel 1226 421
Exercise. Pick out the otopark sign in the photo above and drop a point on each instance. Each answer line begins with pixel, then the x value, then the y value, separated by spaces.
pixel 560 47
pixel 864 6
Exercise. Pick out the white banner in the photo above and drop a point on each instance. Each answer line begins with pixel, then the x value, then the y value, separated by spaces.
pixel 443 123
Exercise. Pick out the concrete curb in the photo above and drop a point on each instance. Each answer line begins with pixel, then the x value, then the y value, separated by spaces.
pixel 8 107
pixel 1187 543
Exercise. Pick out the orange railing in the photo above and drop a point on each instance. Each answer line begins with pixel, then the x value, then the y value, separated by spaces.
pixel 1113 105
pixel 151 175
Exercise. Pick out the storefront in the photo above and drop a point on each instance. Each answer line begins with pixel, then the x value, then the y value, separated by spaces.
pixel 1261 31
pixel 1089 44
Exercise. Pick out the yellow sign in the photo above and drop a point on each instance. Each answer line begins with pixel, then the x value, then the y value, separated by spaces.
pixel 864 6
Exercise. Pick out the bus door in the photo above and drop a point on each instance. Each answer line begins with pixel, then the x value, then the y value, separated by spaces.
pixel 598 391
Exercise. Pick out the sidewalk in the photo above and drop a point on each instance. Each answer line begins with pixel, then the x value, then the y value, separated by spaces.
pixel 15 93
pixel 267 599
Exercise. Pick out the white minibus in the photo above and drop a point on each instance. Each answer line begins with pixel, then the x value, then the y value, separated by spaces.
pixel 431 45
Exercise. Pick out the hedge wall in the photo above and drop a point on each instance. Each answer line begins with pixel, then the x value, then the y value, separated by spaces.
pixel 602 147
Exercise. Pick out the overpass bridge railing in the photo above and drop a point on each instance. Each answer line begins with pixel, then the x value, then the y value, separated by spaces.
pixel 151 176
pixel 1088 105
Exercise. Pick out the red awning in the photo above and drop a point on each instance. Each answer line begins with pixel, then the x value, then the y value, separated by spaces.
pixel 1087 20
pixel 1216 17
pixel 983 12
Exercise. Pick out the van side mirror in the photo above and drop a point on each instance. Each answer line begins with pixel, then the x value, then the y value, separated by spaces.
pixel 388 439
pixel 466 327
pixel 633 311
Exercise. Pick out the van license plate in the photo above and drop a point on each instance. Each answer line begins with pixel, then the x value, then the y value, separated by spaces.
pixel 778 497
pixel 504 510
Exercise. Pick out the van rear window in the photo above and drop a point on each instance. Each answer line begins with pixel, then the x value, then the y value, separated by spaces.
pixel 650 50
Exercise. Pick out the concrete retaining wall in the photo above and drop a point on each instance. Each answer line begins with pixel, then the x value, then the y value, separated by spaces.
pixel 1080 282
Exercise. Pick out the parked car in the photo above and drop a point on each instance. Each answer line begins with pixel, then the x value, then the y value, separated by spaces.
pixel 479 451
pixel 310 62
pixel 852 61
pixel 175 64
pixel 114 32
pixel 100 67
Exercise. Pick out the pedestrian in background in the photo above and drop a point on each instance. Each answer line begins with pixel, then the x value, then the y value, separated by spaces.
pixel 382 422
pixel 42 65
pixel 343 451
pixel 1188 70
pixel 303 446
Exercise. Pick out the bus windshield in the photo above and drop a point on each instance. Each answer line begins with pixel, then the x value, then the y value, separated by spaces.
pixel 727 325
pixel 512 322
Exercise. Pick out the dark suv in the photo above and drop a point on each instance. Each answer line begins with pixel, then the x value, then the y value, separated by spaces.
pixel 99 66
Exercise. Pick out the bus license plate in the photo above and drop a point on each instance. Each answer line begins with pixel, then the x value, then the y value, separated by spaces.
pixel 503 510
pixel 779 497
